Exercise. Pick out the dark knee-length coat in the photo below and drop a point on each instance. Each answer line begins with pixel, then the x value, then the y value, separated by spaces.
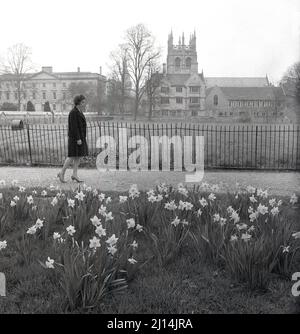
pixel 76 131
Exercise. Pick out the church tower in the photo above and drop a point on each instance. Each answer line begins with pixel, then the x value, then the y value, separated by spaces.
pixel 182 58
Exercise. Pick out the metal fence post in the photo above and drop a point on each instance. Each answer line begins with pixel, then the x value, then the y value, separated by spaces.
pixel 29 144
pixel 256 146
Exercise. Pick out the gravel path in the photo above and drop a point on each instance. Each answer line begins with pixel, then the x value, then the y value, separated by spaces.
pixel 278 183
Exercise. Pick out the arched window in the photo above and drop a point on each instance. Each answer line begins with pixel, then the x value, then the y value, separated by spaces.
pixel 177 63
pixel 188 62
pixel 216 100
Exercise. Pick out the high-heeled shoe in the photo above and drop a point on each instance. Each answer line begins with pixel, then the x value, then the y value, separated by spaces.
pixel 61 179
pixel 74 178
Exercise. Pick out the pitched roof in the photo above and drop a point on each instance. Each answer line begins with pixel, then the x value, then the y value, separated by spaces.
pixel 249 93
pixel 237 81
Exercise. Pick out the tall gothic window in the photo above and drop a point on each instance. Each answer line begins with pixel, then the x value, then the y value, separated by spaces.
pixel 188 62
pixel 216 100
pixel 177 63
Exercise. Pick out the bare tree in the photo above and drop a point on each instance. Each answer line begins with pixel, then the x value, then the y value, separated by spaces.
pixel 16 65
pixel 291 80
pixel 141 52
pixel 120 76
pixel 152 84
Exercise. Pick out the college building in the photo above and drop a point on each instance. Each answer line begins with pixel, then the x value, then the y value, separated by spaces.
pixel 183 92
pixel 49 86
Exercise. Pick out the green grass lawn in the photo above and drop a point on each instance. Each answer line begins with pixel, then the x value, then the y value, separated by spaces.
pixel 187 283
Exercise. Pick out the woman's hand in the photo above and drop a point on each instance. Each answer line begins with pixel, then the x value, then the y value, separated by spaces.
pixel 79 142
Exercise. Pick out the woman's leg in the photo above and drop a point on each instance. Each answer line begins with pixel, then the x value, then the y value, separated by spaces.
pixel 67 163
pixel 75 166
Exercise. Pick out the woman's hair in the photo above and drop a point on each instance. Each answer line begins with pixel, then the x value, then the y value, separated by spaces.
pixel 78 99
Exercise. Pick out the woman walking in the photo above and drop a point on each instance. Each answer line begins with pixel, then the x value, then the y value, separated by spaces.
pixel 77 145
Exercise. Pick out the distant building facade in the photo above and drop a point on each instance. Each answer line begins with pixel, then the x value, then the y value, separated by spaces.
pixel 184 92
pixel 48 86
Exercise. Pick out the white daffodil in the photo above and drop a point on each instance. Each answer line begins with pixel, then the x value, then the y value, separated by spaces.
pixel 108 216
pixel 215 188
pixel 212 197
pixel 71 230
pixel 95 192
pixel 176 221
pixel 16 198
pixel 152 199
pixel 203 202
pixel 253 216
pixel 44 193
pixel 235 217
pixel 251 228
pixel 133 191
pixel 253 199
pixel 56 236
pixel 34 192
pixel 272 202
pixel 21 189
pixel 34 208
pixel 246 237
pixel 30 199
pixel 130 223
pixel 182 190
pixel 101 197
pixel 139 228
pixel 185 222
pixel 150 193
pixel 95 243
pixel 31 230
pixel 12 204
pixel 159 198
pixel 132 260
pixel 123 199
pixel 95 221
pixel 199 213
pixel 293 199
pixel 39 223
pixel 250 189
pixel 242 226
pixel 230 210
pixel 108 200
pixel 49 263
pixel 279 202
pixel 262 209
pixel 54 201
pixel 112 240
pixel 112 250
pixel 296 235
pixel 134 245
pixel 286 249
pixel 102 210
pixel 100 231
pixel 275 211
pixel 216 217
pixel 222 221
pixel 234 237
pixel 3 244
pixel 171 206
pixel 71 202
pixel 80 196
pixel 14 183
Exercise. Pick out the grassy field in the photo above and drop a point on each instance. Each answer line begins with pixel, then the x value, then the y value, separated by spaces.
pixel 173 273
pixel 233 146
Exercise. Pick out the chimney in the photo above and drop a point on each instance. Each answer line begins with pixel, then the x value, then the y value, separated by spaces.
pixel 164 68
pixel 47 69
pixel 100 70
pixel 78 69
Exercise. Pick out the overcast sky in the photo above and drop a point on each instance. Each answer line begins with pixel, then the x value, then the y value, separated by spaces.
pixel 234 37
